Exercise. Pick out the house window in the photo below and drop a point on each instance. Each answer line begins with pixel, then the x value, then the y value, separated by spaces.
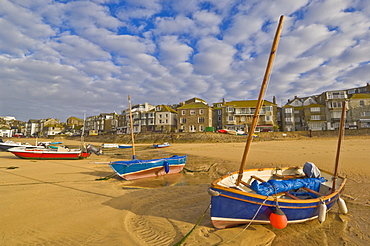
pixel 267 118
pixel 192 128
pixel 268 109
pixel 231 118
pixel 200 119
pixel 201 111
pixel 366 113
pixel 201 128
pixel 219 112
pixel 335 104
pixel 288 119
pixel 219 118
pixel 159 108
pixel 230 109
pixel 288 110
pixel 297 119
pixel 182 112
pixel 315 117
pixel 362 103
pixel 315 109
pixel 160 115
pixel 182 120
pixel 192 112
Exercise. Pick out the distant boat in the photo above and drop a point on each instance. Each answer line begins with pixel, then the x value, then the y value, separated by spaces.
pixel 138 169
pixel 124 146
pixel 164 145
pixel 60 153
pixel 114 145
pixel 4 146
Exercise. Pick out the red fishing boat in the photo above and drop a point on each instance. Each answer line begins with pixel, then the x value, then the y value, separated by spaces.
pixel 60 153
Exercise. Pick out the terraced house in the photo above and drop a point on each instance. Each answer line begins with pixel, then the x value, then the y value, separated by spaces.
pixel 238 115
pixel 195 115
pixel 165 118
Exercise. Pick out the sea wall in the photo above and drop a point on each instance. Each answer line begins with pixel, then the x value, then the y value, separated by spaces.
pixel 211 137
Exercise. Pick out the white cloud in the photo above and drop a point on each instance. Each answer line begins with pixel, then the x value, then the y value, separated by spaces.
pixel 172 51
pixel 92 54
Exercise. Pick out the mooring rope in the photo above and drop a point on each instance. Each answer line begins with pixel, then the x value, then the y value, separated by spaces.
pixel 196 224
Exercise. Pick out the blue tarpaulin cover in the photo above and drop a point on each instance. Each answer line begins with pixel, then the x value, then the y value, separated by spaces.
pixel 275 186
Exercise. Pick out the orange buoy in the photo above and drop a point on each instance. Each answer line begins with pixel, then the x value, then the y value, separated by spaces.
pixel 278 219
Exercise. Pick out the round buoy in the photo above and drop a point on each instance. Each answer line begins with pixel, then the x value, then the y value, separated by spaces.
pixel 322 212
pixel 342 206
pixel 166 166
pixel 278 219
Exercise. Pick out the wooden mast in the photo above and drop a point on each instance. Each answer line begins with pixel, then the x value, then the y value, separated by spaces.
pixel 260 98
pixel 131 129
pixel 341 130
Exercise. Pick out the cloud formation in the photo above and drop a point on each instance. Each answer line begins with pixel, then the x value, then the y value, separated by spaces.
pixel 70 58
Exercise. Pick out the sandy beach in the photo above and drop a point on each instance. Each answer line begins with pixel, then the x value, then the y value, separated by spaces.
pixel 63 202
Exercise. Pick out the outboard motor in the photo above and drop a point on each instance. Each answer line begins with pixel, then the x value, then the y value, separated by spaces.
pixel 91 149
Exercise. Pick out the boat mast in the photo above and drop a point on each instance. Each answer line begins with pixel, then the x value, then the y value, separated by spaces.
pixel 341 131
pixel 83 133
pixel 132 130
pixel 260 98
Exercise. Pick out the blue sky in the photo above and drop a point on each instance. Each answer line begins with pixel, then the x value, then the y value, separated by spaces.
pixel 69 58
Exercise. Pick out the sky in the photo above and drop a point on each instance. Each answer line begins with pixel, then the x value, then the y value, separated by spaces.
pixel 73 58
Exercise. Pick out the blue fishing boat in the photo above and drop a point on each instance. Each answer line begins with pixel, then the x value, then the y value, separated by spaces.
pixel 138 169
pixel 264 196
pixel 163 145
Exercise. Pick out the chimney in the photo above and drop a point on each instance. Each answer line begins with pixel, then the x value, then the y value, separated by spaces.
pixel 274 99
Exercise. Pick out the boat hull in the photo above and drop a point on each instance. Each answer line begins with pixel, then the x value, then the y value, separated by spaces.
pixel 232 207
pixel 138 169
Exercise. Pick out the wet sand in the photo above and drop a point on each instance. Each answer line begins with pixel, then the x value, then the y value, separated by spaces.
pixel 60 202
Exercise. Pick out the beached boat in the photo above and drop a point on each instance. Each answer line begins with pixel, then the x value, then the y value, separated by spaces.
pixel 254 199
pixel 60 153
pixel 114 145
pixel 163 145
pixel 4 146
pixel 263 195
pixel 138 169
pixel 124 146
